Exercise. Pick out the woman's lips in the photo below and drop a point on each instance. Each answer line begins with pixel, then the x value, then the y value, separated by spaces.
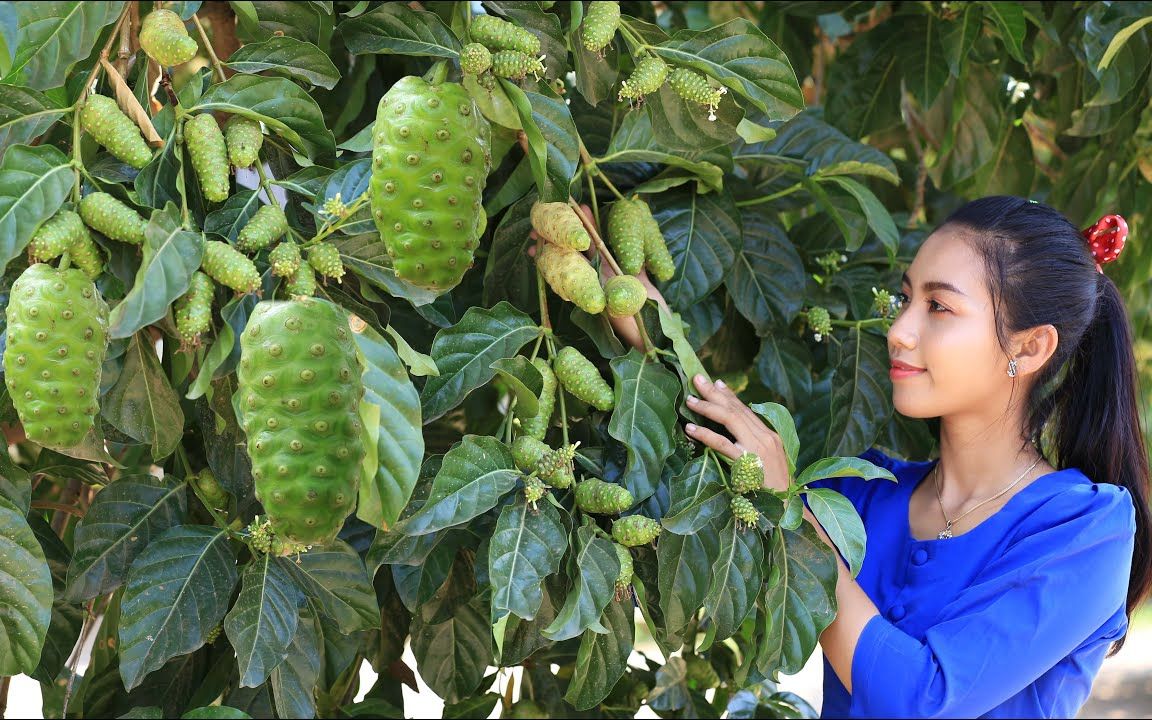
pixel 900 370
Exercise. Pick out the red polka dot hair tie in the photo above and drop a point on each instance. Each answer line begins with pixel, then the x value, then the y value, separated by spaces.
pixel 1106 239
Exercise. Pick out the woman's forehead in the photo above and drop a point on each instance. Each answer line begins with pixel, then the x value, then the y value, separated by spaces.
pixel 948 256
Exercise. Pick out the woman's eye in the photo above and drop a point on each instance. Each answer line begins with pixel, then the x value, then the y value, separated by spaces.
pixel 933 304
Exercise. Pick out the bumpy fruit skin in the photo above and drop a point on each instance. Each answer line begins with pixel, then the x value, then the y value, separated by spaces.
pixel 267 226
pixel 527 451
pixel 694 87
pixel 747 473
pixel 475 59
pixel 497 34
pixel 298 395
pixel 581 378
pixel 303 283
pixel 624 578
pixel 635 530
pixel 744 511
pixel 515 65
pixel 537 425
pixel 205 142
pixel 430 161
pixel 86 255
pixel 649 75
pixel 243 139
pixel 656 256
pixel 559 224
pixel 165 39
pixel 572 277
pixel 325 259
pixel 210 489
pixel 625 296
pixel 551 466
pixel 57 339
pixel 112 218
pixel 603 498
pixel 285 259
pixel 103 119
pixel 534 489
pixel 56 235
pixel 626 230
pixel 820 322
pixel 229 267
pixel 194 310
pixel 600 23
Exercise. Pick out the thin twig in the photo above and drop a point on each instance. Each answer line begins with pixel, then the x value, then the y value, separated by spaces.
pixel 216 64
pixel 59 507
pixel 596 239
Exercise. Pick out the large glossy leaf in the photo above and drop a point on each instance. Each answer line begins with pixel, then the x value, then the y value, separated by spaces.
pixel 229 219
pixel 266 19
pixel 24 114
pixel 294 680
pixel 509 273
pixel 525 548
pixel 861 394
pixel 464 354
pixel 922 55
pixel 549 187
pixel 800 600
pixel 736 578
pixel 53 36
pixel 394 28
pixel 867 80
pixel 400 445
pixel 178 591
pixel 602 657
pixel 524 381
pixel 451 656
pixel 838 517
pixel 635 141
pixel 968 118
pixel 595 568
pixel 34 182
pixel 284 107
pixel 685 572
pixel 703 233
pixel 644 418
pixel 297 59
pixel 25 593
pixel 767 281
pixel 783 365
pixel 350 182
pixel 142 404
pixel 119 524
pixel 552 116
pixel 262 623
pixel 879 221
pixel 171 255
pixel 161 181
pixel 522 638
pixel 335 579
pixel 475 475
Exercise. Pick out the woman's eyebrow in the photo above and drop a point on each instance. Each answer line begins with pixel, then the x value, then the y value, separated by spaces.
pixel 935 285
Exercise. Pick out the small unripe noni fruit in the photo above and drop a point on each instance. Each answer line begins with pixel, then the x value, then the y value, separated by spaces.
pixel 165 39
pixel 649 75
pixel 112 218
pixel 103 119
pixel 497 34
pixel 625 295
pixel 230 267
pixel 747 473
pixel 744 511
pixel 475 59
pixel 603 498
pixel 515 65
pixel 267 226
pixel 599 25
pixel 209 154
pixel 285 259
pixel 627 227
pixel 303 282
pixel 56 235
pixel 635 530
pixel 243 139
pixel 581 378
pixel 537 425
pixel 325 259
pixel 559 224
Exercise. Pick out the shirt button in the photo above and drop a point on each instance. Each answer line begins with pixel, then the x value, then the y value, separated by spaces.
pixel 920 556
pixel 897 613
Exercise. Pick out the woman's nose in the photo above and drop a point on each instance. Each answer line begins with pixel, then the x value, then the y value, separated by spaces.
pixel 902 333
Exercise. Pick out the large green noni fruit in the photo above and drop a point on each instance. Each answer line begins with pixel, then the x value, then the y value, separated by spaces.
pixel 430 161
pixel 267 226
pixel 497 34
pixel 209 153
pixel 537 425
pixel 298 398
pixel 581 378
pixel 600 24
pixel 243 138
pixel 103 119
pixel 105 214
pixel 635 530
pixel 57 339
pixel 230 267
pixel 165 39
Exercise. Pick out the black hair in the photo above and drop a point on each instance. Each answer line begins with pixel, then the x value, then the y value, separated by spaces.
pixel 1040 271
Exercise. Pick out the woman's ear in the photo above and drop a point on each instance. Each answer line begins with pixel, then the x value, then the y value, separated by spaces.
pixel 1036 346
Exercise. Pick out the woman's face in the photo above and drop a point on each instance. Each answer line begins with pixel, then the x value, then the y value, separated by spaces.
pixel 945 326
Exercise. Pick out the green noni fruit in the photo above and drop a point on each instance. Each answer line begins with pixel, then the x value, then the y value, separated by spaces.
pixel 572 277
pixel 694 87
pixel 475 59
pixel 657 258
pixel 515 65
pixel 744 511
pixel 430 162
pixel 747 473
pixel 624 577
pixel 194 310
pixel 57 340
pixel 559 224
pixel 601 20
pixel 165 39
pixel 267 225
pixel 603 498
pixel 552 466
pixel 230 267
pixel 325 259
pixel 649 75
pixel 285 259
pixel 86 255
pixel 537 425
pixel 626 230
pixel 243 139
pixel 303 282
pixel 700 675
pixel 580 377
pixel 209 153
pixel 635 530
pixel 56 235
pixel 103 119
pixel 112 218
pixel 497 34
pixel 625 295
pixel 299 390
pixel 211 489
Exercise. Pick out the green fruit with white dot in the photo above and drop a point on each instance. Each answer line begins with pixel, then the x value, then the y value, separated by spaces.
pixel 537 425
pixel 602 498
pixel 103 119
pixel 747 473
pixel 625 296
pixel 516 65
pixel 302 283
pixel 430 162
pixel 266 226
pixel 85 254
pixel 299 390
pixel 635 530
pixel 194 310
pixel 694 87
pixel 497 34
pixel 552 466
pixel 744 511
pixel 572 277
pixel 55 235
pixel 580 377
pixel 649 75
pixel 527 451
pixel 599 26
pixel 243 139
pixel 230 267
pixel 475 59
pixel 820 321
pixel 624 577
pixel 165 39
pixel 112 218
pixel 657 258
pixel 57 340
pixel 626 231
pixel 285 259
pixel 325 259
pixel 559 224
pixel 209 154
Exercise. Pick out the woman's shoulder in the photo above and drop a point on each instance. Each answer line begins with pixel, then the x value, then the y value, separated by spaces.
pixel 1070 499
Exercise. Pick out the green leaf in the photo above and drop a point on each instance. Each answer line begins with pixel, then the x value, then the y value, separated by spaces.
pixel 767 281
pixel 494 104
pixel 24 114
pixel 263 621
pixel 119 524
pixel 878 218
pixel 602 657
pixel 561 140
pixel 1010 21
pixel 509 273
pixel 526 547
pixel 400 446
pixel 480 706
pixel 161 181
pixel 672 326
pixel 34 183
pixel 861 397
pixel 783 364
pixel 464 354
pixel 736 578
pixel 1118 41
pixel 843 467
pixel 475 475
pixel 741 57
pixel 296 59
pixel 782 423
pixel 525 382
pixel 644 418
pixel 268 18
pixel 696 497
pixel 957 37
pixel 825 150
pixel 215 712
pixel 685 571
pixel 55 35
pixel 294 680
pixel 283 106
pixel 838 517
pixel 229 219
pixel 418 363
pixel 922 57
pixel 704 234
pixel 142 403
pixel 595 569
pixel 335 579
pixel 367 256
pixel 867 81
pixel 350 181
pixel 171 255
pixel 635 141
pixel 453 655
pixel 25 593
pixel 684 125
pixel 537 150
pixel 178 591
pixel 394 28
pixel 522 638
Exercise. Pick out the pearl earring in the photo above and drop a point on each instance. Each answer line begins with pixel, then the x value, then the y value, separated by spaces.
pixel 1012 367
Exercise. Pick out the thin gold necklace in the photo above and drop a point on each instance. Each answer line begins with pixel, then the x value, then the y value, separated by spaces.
pixel 947 531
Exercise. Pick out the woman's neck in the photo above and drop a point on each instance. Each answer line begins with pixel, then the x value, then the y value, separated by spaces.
pixel 980 456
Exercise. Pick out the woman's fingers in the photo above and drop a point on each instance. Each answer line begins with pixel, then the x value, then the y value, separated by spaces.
pixel 714 440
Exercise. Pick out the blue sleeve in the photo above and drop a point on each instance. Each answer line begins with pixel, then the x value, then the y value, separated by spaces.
pixel 1051 590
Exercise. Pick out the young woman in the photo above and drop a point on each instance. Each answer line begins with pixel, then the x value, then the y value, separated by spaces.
pixel 996 577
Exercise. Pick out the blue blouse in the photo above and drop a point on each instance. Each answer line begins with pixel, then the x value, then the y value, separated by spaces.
pixel 1010 619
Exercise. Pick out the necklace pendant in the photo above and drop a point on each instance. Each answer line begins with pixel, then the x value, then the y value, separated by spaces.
pixel 945 533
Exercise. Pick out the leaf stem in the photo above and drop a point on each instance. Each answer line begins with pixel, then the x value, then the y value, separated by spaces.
pixel 216 64
pixel 596 239
pixel 769 198
pixel 542 292
pixel 590 164
pixel 560 395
